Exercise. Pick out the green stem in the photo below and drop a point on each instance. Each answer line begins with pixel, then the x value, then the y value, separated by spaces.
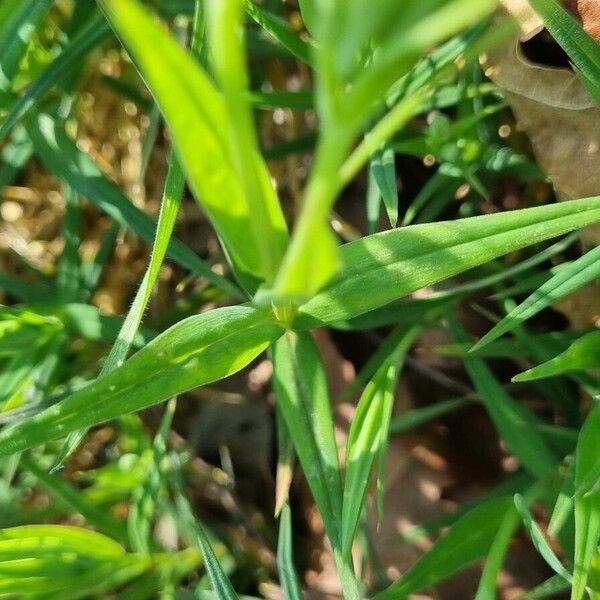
pixel 350 588
pixel 321 192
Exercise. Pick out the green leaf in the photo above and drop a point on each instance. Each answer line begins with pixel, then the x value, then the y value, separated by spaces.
pixel 17 28
pixel 194 531
pixel 87 38
pixel 495 557
pixel 196 351
pixel 302 397
pixel 579 273
pixel 386 266
pixel 383 169
pixel 285 559
pixel 581 355
pixel 62 157
pixel 548 589
pixel 77 502
pixel 539 541
pixel 169 209
pixel 467 540
pixel 228 60
pixel 513 421
pixel 280 31
pixel 419 416
pixel 368 437
pixel 197 112
pixel 67 277
pixel 587 502
pixel 310 14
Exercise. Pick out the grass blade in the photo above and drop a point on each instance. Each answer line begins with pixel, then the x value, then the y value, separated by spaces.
pixel 548 589
pixel 87 38
pixel 61 156
pixel 196 351
pixel 512 420
pixel 220 582
pixel 582 49
pixel 538 539
pixel 386 266
pixel 568 280
pixel 496 555
pixel 299 379
pixel 225 29
pixel 69 267
pixel 466 541
pixel 368 438
pixel 581 355
pixel 17 28
pixel 195 110
pixel 285 559
pixel 280 31
pixel 587 502
pixel 383 170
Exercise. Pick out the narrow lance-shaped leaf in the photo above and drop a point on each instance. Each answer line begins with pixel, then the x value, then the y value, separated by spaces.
pixel 17 28
pixel 538 539
pixel 285 558
pixel 195 532
pixel 228 58
pixel 574 276
pixel 512 420
pixel 466 541
pixel 171 201
pixel 303 399
pixel 197 116
pixel 383 171
pixel 368 437
pixel 386 266
pixel 196 351
pixel 587 502
pixel 581 355
pixel 61 156
pixel 280 31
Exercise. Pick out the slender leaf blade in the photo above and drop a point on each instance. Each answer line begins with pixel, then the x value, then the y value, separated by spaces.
pixel 386 266
pixel 512 420
pixel 61 156
pixel 196 351
pixel 587 502
pixel 195 110
pixel 467 540
pixel 568 280
pixel 285 559
pixel 302 396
